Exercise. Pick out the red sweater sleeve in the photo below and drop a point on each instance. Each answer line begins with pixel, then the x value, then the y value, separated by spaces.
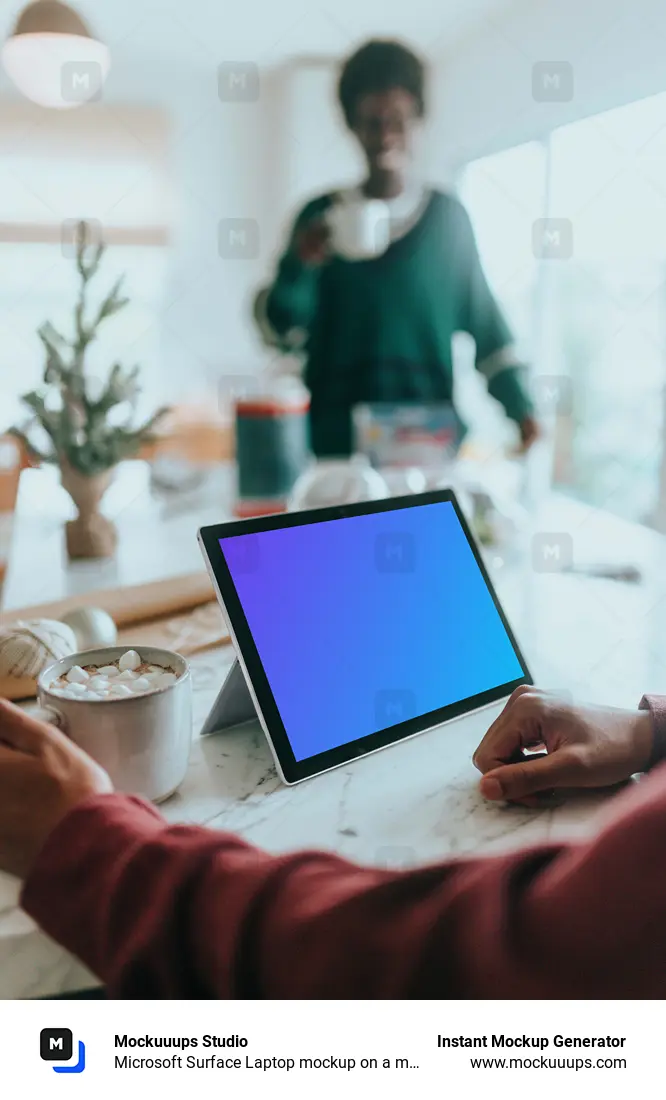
pixel 159 911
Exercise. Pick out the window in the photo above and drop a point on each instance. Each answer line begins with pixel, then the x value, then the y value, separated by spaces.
pixel 504 194
pixel 594 314
pixel 608 302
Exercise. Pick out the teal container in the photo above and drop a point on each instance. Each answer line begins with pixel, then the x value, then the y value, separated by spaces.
pixel 271 451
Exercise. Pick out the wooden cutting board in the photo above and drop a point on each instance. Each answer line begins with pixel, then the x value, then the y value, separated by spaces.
pixel 129 604
pixel 15 688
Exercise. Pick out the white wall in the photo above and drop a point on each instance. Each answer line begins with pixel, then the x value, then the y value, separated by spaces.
pixel 216 174
pixel 482 98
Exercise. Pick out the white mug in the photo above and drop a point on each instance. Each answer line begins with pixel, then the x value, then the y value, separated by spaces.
pixel 142 741
pixel 360 228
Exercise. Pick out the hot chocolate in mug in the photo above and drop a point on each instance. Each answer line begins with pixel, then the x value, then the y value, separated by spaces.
pixel 142 741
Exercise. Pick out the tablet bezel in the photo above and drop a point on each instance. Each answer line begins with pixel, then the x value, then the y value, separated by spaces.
pixel 292 770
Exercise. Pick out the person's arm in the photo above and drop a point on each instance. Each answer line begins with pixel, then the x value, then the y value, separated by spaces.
pixel 481 317
pixel 159 911
pixel 287 306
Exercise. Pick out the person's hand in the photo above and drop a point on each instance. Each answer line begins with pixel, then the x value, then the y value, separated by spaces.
pixel 313 242
pixel 586 746
pixel 530 432
pixel 43 775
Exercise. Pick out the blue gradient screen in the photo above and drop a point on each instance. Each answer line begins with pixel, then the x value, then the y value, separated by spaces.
pixel 368 621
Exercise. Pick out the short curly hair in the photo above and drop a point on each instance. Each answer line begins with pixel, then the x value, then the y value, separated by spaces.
pixel 378 66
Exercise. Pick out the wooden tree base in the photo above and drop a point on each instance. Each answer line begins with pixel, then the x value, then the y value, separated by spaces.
pixel 91 537
pixel 91 534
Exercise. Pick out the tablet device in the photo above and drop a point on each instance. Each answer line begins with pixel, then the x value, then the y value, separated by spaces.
pixel 361 625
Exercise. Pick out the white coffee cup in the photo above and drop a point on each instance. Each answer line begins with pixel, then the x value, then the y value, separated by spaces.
pixel 142 741
pixel 360 228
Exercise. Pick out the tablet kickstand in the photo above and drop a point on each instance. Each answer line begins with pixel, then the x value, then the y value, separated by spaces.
pixel 233 705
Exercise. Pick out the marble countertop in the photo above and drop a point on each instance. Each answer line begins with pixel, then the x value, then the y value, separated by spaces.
pixel 418 801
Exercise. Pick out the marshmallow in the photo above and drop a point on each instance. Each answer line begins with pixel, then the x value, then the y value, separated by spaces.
pixel 141 685
pixel 127 676
pixel 77 675
pixel 166 680
pixel 120 691
pixel 98 683
pixel 129 661
pixel 109 671
pixel 76 689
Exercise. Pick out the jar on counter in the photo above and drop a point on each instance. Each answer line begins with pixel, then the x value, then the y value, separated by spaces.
pixel 272 449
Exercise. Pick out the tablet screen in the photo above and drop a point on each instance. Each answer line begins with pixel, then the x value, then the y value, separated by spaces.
pixel 365 622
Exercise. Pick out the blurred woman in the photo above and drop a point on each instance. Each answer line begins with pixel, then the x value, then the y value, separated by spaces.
pixel 380 329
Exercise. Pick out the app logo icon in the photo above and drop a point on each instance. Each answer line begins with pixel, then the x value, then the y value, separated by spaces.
pixel 552 552
pixel 553 81
pixel 394 706
pixel 56 1044
pixel 395 552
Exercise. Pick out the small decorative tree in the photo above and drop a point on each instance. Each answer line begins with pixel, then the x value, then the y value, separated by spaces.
pixel 86 434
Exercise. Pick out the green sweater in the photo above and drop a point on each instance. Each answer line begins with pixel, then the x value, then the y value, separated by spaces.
pixel 381 329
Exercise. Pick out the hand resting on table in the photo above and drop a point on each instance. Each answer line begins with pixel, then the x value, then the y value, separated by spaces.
pixel 586 746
